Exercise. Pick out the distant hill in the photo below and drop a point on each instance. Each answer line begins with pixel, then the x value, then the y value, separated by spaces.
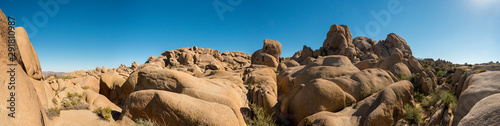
pixel 47 73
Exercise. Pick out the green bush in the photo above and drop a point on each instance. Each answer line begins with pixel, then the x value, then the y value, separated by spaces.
pixel 480 71
pixel 70 95
pixel 51 112
pixel 144 122
pixel 73 101
pixel 103 112
pixel 412 114
pixel 403 77
pixel 418 97
pixel 260 117
pixel 85 87
pixel 441 73
pixel 54 100
pixel 431 100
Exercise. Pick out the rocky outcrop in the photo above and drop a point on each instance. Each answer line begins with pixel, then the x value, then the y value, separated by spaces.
pixel 269 55
pixel 29 58
pixel 383 108
pixel 168 108
pixel 333 80
pixel 338 42
pixel 477 87
pixel 485 112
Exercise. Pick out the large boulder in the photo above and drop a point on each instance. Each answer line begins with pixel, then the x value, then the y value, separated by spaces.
pixel 339 42
pixel 20 104
pixel 392 42
pixel 109 82
pixel 90 82
pixel 269 55
pixel 318 95
pixel 272 47
pixel 325 67
pixel 486 112
pixel 168 108
pixel 225 90
pixel 364 44
pixel 383 108
pixel 477 87
pixel 30 62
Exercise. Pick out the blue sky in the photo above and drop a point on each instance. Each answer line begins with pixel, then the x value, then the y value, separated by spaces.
pixel 84 34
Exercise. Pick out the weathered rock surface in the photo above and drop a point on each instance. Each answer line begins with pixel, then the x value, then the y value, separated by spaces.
pixel 477 87
pixel 383 108
pixel 168 108
pixel 485 112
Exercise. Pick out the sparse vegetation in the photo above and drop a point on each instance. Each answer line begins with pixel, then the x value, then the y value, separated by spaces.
pixel 103 112
pixel 480 71
pixel 412 114
pixel 144 122
pixel 441 73
pixel 418 97
pixel 403 77
pixel 85 87
pixel 430 100
pixel 70 95
pixel 446 98
pixel 54 100
pixel 73 101
pixel 260 117
pixel 59 90
pixel 59 77
pixel 54 111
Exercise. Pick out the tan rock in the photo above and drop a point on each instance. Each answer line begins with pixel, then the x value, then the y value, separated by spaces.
pixel 264 59
pixel 400 69
pixel 318 95
pixel 477 87
pixel 134 65
pixel 108 82
pixel 272 47
pixel 383 108
pixel 484 112
pixel 91 82
pixel 168 108
pixel 339 41
pixel 27 105
pixel 365 64
pixel 29 58
pixel 363 43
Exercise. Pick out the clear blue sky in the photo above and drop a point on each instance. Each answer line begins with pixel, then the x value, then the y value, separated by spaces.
pixel 84 34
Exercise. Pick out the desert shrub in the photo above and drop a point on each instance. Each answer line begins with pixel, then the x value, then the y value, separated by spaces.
pixel 54 111
pixel 448 98
pixel 54 100
pixel 70 95
pixel 403 77
pixel 144 122
pixel 480 71
pixel 438 69
pixel 412 114
pixel 103 112
pixel 85 87
pixel 59 90
pixel 431 100
pixel 73 101
pixel 441 73
pixel 418 97
pixel 260 117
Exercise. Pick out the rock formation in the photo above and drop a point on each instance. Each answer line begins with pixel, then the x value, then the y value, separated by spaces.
pixel 347 81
